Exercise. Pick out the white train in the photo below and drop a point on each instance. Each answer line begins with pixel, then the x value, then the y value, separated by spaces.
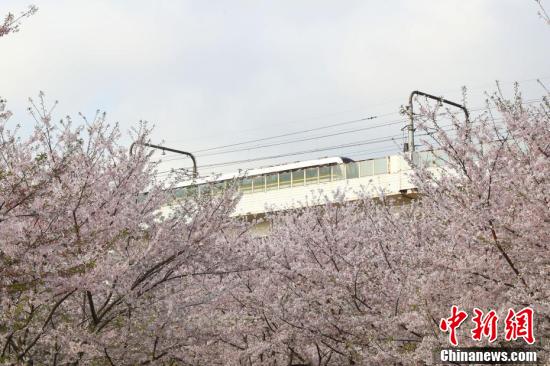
pixel 298 184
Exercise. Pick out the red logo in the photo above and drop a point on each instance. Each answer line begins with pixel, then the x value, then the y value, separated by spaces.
pixel 517 325
pixel 520 325
pixel 452 323
pixel 486 326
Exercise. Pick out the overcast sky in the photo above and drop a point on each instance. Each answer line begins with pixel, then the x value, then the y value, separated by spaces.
pixel 211 73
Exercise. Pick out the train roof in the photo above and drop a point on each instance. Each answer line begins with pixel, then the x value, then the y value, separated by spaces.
pixel 271 169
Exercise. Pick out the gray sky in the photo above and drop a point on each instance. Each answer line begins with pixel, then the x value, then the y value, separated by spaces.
pixel 211 73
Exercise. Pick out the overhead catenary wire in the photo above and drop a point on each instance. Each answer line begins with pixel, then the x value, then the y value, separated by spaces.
pixel 248 148
pixel 361 143
pixel 382 139
pixel 382 115
pixel 328 148
pixel 337 124
pixel 296 140
pixel 475 87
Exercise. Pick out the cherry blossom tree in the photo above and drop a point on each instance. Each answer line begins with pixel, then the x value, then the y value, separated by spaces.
pixel 369 282
pixel 96 270
pixel 102 264
pixel 329 292
pixel 91 270
pixel 483 240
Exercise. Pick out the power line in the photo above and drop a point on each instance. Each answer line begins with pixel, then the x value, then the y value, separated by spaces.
pixel 296 132
pixel 306 131
pixel 357 143
pixel 474 87
pixel 333 147
pixel 314 137
pixel 296 140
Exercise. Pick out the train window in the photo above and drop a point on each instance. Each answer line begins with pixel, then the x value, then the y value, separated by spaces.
pixel 180 192
pixel 324 174
pixel 205 189
pixel 312 175
pixel 259 183
pixel 337 172
pixel 191 191
pixel 246 185
pixel 366 168
pixel 352 170
pixel 381 166
pixel 285 179
pixel 230 183
pixel 298 177
pixel 271 182
pixel 218 187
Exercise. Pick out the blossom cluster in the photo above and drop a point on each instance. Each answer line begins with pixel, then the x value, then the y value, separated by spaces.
pixel 93 271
